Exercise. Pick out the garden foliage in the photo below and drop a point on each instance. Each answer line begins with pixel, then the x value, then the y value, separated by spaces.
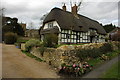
pixel 94 52
pixel 32 43
pixel 50 40
pixel 10 38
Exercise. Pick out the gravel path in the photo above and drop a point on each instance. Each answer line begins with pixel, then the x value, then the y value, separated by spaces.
pixel 18 65
pixel 96 73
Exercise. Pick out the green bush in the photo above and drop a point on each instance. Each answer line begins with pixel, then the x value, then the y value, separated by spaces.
pixel 50 40
pixel 21 40
pixel 93 52
pixel 10 38
pixel 32 43
pixel 107 47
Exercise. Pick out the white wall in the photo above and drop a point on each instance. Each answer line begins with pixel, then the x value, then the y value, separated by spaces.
pixel 84 35
pixel 54 24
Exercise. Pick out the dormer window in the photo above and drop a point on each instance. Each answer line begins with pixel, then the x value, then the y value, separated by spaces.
pixel 50 24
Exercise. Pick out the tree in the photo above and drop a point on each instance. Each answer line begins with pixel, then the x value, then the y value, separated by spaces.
pixel 11 25
pixel 109 27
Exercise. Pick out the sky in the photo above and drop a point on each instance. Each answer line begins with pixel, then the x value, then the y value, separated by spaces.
pixel 31 11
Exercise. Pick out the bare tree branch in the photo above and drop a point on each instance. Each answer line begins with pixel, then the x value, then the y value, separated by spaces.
pixel 79 5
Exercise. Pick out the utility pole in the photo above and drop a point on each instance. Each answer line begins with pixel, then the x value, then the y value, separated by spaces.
pixel 1 15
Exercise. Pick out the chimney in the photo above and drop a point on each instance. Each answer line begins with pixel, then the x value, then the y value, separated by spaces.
pixel 74 10
pixel 64 7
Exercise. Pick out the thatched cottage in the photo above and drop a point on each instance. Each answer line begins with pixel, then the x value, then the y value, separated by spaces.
pixel 71 27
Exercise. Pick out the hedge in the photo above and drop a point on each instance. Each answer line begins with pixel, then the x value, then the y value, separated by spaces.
pixel 93 52
pixel 10 38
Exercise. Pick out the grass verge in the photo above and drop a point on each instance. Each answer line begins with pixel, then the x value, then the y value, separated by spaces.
pixel 32 56
pixel 112 72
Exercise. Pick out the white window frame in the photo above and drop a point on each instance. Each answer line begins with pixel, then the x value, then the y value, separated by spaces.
pixel 50 24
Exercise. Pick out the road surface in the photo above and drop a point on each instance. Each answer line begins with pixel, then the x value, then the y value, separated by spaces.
pixel 18 65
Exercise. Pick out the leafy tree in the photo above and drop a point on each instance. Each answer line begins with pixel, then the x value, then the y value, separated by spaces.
pixel 12 26
pixel 109 27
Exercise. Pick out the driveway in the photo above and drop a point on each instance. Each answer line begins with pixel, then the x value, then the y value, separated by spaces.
pixel 15 64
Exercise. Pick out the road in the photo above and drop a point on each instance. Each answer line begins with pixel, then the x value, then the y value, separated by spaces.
pixel 15 64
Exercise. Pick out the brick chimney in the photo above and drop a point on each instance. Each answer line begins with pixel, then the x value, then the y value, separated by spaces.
pixel 74 9
pixel 64 7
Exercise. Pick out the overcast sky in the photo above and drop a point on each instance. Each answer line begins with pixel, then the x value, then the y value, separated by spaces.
pixel 27 11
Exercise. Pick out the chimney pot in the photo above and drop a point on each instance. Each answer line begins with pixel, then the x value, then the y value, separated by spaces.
pixel 74 10
pixel 64 7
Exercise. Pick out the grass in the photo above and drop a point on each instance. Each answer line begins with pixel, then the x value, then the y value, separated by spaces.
pixel 71 44
pixel 113 54
pixel 113 72
pixel 32 56
pixel 95 61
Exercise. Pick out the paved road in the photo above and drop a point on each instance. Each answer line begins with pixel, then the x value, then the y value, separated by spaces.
pixel 18 65
pixel 96 73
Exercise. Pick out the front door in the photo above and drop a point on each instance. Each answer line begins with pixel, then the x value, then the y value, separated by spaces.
pixel 91 39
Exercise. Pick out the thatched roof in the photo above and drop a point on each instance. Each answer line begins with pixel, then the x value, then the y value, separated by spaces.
pixel 67 20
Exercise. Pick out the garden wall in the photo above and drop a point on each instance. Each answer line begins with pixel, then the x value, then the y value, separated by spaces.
pixel 70 54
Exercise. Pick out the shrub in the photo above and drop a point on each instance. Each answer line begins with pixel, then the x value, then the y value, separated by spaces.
pixel 32 43
pixel 10 38
pixel 21 40
pixel 107 47
pixel 93 52
pixel 50 40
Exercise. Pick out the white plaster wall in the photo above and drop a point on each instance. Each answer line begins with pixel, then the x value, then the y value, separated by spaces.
pixel 54 24
pixel 65 40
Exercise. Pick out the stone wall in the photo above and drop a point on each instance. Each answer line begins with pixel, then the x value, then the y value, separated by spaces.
pixel 51 56
pixel 65 54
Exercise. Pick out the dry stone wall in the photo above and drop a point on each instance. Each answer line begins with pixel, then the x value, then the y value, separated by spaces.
pixel 65 54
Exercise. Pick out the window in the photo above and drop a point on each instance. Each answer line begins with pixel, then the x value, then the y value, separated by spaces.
pixel 77 37
pixel 67 36
pixel 50 24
